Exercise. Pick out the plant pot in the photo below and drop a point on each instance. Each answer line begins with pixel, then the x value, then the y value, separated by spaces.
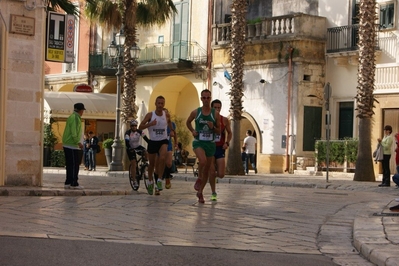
pixel 108 156
pixel 47 156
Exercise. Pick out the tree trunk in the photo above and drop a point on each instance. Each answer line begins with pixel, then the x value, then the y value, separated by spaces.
pixel 234 165
pixel 238 26
pixel 365 97
pixel 364 164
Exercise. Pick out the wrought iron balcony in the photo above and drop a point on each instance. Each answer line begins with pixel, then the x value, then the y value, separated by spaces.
pixel 102 64
pixel 345 38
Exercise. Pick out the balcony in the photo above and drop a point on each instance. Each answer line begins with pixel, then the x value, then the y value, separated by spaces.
pixel 161 57
pixel 288 26
pixel 345 39
pixel 268 40
pixel 386 79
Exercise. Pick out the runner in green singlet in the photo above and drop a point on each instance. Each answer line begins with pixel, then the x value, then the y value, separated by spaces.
pixel 207 124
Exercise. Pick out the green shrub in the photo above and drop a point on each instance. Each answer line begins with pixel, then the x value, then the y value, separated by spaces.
pixel 58 159
pixel 107 144
pixel 351 150
pixel 338 151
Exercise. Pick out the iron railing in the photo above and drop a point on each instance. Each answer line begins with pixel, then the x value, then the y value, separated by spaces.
pixel 156 53
pixel 345 38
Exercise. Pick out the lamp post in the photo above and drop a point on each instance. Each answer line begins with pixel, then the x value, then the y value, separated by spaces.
pixel 115 50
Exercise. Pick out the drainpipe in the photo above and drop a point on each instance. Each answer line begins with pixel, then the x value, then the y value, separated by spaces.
pixel 209 44
pixel 287 159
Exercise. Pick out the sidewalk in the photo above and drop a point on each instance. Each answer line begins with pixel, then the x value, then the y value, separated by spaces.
pixel 375 231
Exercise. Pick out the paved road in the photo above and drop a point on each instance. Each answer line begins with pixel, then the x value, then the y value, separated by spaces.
pixel 255 218
pixel 50 252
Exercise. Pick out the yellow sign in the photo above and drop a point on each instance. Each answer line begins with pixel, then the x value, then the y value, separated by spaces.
pixel 22 25
pixel 55 55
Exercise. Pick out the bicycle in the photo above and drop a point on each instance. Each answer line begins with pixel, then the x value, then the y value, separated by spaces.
pixel 141 171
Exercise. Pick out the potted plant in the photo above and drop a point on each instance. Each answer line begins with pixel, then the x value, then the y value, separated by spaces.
pixel 107 145
pixel 49 141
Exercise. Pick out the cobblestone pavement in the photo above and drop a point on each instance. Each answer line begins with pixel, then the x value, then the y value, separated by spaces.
pixel 273 213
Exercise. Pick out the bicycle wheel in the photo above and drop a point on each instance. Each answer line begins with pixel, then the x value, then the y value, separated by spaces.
pixel 131 180
pixel 144 174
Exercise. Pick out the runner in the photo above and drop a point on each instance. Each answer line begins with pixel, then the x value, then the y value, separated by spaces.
pixel 157 122
pixel 207 124
pixel 218 164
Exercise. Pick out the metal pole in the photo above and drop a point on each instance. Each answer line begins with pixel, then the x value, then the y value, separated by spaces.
pixel 116 164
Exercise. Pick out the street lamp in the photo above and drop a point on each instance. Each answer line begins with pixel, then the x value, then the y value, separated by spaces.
pixel 115 50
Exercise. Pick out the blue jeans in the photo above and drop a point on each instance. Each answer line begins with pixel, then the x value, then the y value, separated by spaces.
pixel 92 158
pixel 250 158
pixel 395 179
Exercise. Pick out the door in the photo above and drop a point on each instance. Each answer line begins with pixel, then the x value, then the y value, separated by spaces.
pixel 180 42
pixel 311 127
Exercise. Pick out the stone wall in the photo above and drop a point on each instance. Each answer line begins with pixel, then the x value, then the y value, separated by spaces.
pixel 23 97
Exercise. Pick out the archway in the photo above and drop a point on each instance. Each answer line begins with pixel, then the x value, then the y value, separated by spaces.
pixel 181 97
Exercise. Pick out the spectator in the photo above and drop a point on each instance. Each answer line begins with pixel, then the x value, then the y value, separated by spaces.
pixel 92 151
pixel 250 149
pixel 72 140
pixel 386 143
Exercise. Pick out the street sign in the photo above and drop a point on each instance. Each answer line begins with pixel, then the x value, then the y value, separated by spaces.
pixel 60 38
pixel 83 88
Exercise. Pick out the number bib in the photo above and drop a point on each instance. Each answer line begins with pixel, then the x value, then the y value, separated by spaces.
pixel 205 135
pixel 218 138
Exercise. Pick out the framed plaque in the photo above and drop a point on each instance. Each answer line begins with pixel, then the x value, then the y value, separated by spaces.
pixel 22 25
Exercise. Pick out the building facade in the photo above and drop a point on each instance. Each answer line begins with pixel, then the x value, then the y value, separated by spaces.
pixel 293 48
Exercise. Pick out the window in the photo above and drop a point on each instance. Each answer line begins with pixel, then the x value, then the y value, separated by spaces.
pixel 387 15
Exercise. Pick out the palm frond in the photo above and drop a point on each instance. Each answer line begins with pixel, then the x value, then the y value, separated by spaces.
pixel 65 5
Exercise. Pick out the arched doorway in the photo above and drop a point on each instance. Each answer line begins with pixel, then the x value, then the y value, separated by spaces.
pixel 181 97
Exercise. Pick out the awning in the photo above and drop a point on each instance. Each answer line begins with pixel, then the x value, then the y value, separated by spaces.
pixel 98 105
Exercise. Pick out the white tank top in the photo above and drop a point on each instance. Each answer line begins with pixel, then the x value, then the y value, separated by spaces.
pixel 158 132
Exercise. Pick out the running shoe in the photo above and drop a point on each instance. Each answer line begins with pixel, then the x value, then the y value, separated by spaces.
pixel 200 197
pixel 214 197
pixel 168 185
pixel 159 184
pixel 135 185
pixel 157 192
pixel 150 188
pixel 394 208
pixel 197 184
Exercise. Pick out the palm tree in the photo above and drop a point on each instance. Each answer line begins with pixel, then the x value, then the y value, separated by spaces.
pixel 238 24
pixel 364 97
pixel 127 14
pixel 66 5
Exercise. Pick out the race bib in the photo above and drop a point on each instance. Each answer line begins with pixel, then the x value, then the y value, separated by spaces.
pixel 205 135
pixel 217 138
pixel 158 131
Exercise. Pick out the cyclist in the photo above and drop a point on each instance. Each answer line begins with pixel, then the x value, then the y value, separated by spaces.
pixel 132 141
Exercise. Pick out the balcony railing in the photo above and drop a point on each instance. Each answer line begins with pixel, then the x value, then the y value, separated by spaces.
pixel 294 25
pixel 387 78
pixel 156 53
pixel 345 38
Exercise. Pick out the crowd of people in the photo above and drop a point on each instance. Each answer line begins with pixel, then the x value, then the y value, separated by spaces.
pixel 211 134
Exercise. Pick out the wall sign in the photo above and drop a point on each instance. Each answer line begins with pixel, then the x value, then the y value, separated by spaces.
pixel 60 37
pixel 22 25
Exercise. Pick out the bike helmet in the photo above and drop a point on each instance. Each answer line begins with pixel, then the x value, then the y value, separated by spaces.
pixel 134 123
